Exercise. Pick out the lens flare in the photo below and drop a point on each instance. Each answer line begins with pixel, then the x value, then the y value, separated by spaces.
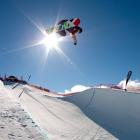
pixel 51 40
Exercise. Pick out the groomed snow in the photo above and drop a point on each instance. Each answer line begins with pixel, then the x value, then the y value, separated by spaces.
pixel 115 110
pixel 60 119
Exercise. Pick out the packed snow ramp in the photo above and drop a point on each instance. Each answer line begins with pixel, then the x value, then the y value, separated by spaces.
pixel 115 110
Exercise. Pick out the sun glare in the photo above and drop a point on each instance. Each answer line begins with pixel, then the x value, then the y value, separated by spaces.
pixel 51 41
pixel 48 42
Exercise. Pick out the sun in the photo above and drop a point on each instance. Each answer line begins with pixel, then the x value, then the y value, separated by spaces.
pixel 51 41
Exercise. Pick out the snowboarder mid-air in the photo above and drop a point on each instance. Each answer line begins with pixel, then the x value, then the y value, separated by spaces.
pixel 67 27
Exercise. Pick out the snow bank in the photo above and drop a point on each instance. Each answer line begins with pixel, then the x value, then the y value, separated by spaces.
pixel 1 84
pixel 77 88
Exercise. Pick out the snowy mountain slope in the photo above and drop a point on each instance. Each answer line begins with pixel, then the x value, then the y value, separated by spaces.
pixel 15 123
pixel 61 120
pixel 115 110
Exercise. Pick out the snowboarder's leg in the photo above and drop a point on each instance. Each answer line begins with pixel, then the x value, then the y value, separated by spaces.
pixel 79 29
pixel 62 33
pixel 62 21
pixel 75 30
pixel 74 38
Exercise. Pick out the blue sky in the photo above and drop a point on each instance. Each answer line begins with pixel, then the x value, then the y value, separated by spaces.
pixel 108 47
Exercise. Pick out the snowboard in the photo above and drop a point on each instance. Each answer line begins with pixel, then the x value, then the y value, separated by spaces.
pixel 61 27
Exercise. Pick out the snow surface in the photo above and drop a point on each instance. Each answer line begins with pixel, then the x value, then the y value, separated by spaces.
pixel 93 114
pixel 15 123
pixel 115 110
pixel 60 119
